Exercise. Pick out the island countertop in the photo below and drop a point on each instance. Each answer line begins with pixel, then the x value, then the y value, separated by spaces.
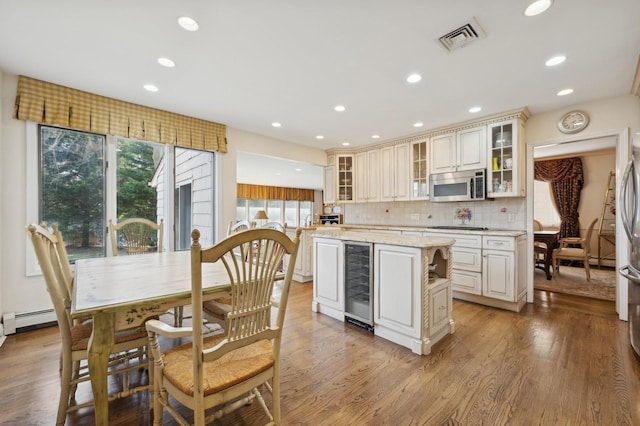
pixel 383 238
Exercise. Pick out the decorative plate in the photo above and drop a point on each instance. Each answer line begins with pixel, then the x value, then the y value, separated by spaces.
pixel 337 209
pixel 327 209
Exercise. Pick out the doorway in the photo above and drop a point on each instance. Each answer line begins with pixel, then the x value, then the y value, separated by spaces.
pixel 576 145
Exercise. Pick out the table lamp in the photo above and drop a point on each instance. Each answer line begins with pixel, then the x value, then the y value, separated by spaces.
pixel 261 215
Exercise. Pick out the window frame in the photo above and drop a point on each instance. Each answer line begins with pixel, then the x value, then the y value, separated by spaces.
pixel 32 191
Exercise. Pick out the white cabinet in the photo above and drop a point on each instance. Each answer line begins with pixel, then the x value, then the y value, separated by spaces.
pixel 345 178
pixel 456 151
pixel 400 287
pixel 303 268
pixel 328 277
pixel 488 269
pixel 503 267
pixel 443 153
pixel 394 173
pixel 505 168
pixel 419 171
pixel 329 193
pixel 397 286
pixel 367 176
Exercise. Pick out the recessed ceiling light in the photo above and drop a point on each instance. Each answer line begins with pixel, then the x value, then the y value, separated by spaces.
pixel 151 87
pixel 298 170
pixel 276 124
pixel 565 92
pixel 414 78
pixel 475 109
pixel 556 60
pixel 345 144
pixel 339 108
pixel 536 7
pixel 418 124
pixel 166 62
pixel 375 137
pixel 188 24
pixel 319 137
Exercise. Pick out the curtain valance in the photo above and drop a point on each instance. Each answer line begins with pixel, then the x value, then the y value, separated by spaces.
pixel 566 180
pixel 262 192
pixel 49 103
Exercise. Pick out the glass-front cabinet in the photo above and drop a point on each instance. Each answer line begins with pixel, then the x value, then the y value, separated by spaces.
pixel 419 172
pixel 504 177
pixel 345 178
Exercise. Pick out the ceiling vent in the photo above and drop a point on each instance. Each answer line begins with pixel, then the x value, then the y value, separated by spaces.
pixel 460 37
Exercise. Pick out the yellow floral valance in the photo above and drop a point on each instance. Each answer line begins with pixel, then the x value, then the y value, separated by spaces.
pixel 262 192
pixel 52 104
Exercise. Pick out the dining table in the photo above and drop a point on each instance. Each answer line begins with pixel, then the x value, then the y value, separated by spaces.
pixel 120 292
pixel 550 239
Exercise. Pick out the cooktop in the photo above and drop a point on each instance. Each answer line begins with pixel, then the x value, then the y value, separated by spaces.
pixel 468 228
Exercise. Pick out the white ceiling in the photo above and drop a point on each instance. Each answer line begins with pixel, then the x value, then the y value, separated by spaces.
pixel 256 62
pixel 262 170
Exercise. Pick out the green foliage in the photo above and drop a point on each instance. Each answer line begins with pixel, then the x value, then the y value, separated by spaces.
pixel 136 198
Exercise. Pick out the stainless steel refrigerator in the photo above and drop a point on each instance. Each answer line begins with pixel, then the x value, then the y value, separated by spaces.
pixel 629 198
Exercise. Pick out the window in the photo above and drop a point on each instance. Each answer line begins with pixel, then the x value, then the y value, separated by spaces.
pixel 274 210
pixel 77 189
pixel 72 188
pixel 543 206
pixel 293 213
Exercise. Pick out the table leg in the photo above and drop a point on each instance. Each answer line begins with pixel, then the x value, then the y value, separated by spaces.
pixel 100 344
pixel 547 259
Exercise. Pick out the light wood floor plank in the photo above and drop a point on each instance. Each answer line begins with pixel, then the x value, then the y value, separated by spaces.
pixel 564 360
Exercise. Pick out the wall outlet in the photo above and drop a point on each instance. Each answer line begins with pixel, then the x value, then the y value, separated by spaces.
pixel 511 217
pixel 415 216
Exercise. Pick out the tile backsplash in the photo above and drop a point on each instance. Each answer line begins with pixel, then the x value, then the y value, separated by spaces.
pixel 494 214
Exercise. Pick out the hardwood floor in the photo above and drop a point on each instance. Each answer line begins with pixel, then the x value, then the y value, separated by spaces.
pixel 564 360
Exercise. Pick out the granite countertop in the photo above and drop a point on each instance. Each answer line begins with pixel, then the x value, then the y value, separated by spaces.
pixel 340 233
pixel 496 232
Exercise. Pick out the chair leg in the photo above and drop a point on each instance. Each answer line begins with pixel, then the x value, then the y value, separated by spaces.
pixel 586 269
pixel 65 387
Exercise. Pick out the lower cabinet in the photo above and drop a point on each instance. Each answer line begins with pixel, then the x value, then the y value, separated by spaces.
pixel 328 277
pixel 303 269
pixel 409 308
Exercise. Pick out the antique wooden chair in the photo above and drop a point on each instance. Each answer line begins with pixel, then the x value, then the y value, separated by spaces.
pixel 129 344
pixel 136 234
pixel 581 253
pixel 224 371
pixel 539 249
pixel 240 225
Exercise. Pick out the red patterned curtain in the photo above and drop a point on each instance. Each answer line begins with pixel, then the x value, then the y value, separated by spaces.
pixel 565 178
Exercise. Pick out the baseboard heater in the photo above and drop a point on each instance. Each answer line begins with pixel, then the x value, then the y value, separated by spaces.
pixel 36 319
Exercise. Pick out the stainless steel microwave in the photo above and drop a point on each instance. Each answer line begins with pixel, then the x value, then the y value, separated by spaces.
pixel 467 185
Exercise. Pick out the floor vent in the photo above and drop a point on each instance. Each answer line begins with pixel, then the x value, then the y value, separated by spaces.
pixel 462 36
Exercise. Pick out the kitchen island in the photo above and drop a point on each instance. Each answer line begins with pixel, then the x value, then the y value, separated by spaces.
pixel 410 297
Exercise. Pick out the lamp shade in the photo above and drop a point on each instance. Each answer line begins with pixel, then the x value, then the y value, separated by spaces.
pixel 261 215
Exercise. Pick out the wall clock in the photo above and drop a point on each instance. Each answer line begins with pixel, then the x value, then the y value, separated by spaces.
pixel 573 122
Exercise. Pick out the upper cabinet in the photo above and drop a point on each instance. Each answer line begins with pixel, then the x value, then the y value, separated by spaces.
pixel 367 176
pixel 419 171
pixel 456 151
pixel 505 168
pixel 394 173
pixel 345 178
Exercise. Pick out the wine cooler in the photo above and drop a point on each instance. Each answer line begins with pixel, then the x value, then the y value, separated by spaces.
pixel 358 283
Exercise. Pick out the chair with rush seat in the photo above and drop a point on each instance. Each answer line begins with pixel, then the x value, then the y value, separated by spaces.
pixel 136 234
pixel 539 249
pixel 129 344
pixel 582 253
pixel 224 372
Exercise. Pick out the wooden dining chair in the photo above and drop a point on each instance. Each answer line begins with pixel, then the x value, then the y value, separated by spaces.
pixel 581 253
pixel 127 353
pixel 240 225
pixel 539 249
pixel 224 372
pixel 136 235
